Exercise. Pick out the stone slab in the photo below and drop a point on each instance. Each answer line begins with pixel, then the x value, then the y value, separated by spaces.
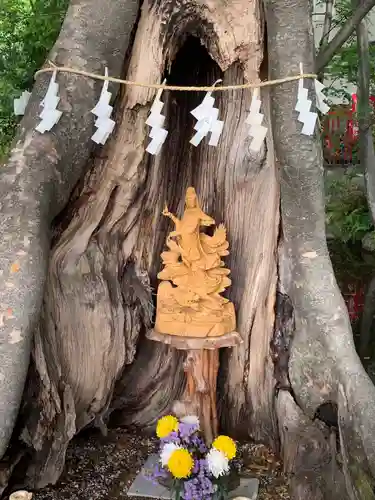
pixel 143 487
pixel 248 489
pixel 194 343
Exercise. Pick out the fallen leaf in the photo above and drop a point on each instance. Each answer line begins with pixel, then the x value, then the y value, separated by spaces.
pixel 15 336
pixel 15 267
pixel 21 495
pixel 310 255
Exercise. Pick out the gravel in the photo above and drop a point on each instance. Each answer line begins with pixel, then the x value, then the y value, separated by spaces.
pixel 103 468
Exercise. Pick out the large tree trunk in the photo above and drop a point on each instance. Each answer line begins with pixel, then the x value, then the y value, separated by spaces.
pixel 90 356
pixel 39 177
pixel 366 152
pixel 367 322
pixel 324 366
pixel 98 300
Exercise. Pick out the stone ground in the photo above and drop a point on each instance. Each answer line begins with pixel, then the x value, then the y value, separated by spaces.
pixel 103 468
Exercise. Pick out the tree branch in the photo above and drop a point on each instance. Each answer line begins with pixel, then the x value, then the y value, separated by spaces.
pixel 326 31
pixel 325 54
pixel 366 142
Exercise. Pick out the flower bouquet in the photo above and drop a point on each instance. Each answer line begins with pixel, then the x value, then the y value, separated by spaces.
pixel 187 467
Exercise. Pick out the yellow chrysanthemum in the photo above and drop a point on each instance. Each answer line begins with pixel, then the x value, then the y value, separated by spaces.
pixel 181 463
pixel 166 425
pixel 226 445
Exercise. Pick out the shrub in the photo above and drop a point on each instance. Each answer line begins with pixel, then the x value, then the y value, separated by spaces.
pixel 347 212
pixel 28 30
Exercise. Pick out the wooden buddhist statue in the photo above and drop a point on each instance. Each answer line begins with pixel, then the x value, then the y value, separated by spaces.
pixel 189 303
pixel 191 315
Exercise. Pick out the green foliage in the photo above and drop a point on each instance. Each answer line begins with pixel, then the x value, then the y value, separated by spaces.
pixel 347 213
pixel 28 30
pixel 344 64
pixel 348 262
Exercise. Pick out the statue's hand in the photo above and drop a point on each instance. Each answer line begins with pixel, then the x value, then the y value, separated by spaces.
pixel 166 212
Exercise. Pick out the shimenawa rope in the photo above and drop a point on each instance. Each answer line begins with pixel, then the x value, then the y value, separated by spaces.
pixel 158 86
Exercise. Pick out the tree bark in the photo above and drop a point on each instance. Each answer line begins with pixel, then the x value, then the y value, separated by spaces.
pixel 366 153
pixel 91 357
pixel 91 348
pixel 324 366
pixel 326 31
pixel 367 321
pixel 37 181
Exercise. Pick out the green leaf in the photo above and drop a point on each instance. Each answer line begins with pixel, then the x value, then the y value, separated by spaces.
pixel 28 30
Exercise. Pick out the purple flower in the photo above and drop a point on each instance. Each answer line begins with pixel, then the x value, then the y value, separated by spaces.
pixel 196 467
pixel 203 467
pixel 173 437
pixel 186 430
pixel 198 443
pixel 198 488
pixel 191 491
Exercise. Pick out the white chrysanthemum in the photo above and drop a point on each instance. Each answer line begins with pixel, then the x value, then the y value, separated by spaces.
pixel 218 464
pixel 190 420
pixel 167 451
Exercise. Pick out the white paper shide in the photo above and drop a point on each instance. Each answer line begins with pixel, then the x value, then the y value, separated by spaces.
pixel 156 119
pixel 206 114
pixel 207 121
pixel 50 114
pixel 303 106
pixel 257 131
pixel 19 104
pixel 103 111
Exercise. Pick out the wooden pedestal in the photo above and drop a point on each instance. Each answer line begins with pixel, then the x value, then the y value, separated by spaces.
pixel 201 367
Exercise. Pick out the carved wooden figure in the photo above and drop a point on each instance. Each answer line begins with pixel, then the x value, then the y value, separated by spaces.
pixel 191 314
pixel 193 307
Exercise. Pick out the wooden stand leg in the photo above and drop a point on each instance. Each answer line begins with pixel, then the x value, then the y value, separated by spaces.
pixel 214 368
pixel 201 368
pixel 206 410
